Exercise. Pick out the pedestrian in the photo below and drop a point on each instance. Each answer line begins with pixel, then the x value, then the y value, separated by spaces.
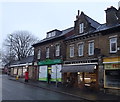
pixel 67 82
pixel 26 76
pixel 49 77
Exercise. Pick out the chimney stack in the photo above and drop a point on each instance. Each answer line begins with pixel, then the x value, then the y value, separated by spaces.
pixel 78 14
pixel 118 5
pixel 111 16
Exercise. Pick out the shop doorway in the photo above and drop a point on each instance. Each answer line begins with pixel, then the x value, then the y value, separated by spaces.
pixel 70 79
pixel 49 74
pixel 87 79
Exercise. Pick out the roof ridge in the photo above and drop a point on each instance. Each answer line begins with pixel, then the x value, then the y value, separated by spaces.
pixel 92 19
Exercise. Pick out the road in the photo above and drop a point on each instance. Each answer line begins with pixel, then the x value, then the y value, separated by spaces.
pixel 12 90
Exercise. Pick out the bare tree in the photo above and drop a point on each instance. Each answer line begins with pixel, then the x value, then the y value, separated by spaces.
pixel 18 44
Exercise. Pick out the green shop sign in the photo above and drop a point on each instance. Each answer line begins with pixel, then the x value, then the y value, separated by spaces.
pixel 49 62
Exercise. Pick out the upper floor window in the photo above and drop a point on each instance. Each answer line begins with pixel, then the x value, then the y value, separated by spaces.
pixel 47 52
pixel 39 54
pixel 80 49
pixel 91 48
pixel 57 50
pixel 71 50
pixel 51 34
pixel 81 28
pixel 113 45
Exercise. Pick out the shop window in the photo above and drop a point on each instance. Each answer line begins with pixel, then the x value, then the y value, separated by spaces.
pixel 20 71
pixel 15 71
pixel 88 78
pixel 24 70
pixel 112 78
pixel 113 45
pixel 91 48
pixel 71 50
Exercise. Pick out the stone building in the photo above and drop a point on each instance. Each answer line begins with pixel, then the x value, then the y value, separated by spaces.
pixel 49 55
pixel 18 68
pixel 88 54
pixel 93 53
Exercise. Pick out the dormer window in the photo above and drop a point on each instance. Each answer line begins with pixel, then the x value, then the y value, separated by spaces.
pixel 81 28
pixel 51 34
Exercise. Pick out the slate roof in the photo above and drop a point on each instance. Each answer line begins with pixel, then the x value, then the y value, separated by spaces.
pixel 93 23
pixel 102 27
pixel 54 37
pixel 28 59
pixel 105 27
pixel 98 27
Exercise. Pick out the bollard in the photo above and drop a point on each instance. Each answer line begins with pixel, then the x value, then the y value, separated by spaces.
pixel 17 77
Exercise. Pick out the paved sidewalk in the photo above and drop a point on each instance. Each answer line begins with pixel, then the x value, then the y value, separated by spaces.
pixel 85 94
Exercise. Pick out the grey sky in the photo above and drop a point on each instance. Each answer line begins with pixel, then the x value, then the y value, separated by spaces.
pixel 41 17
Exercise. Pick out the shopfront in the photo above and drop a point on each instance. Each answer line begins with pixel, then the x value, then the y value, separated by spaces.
pixel 52 67
pixel 85 75
pixel 112 73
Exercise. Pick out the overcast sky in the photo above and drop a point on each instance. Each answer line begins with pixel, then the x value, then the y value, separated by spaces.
pixel 41 17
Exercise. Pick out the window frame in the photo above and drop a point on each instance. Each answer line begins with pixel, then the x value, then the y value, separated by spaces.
pixel 91 48
pixel 82 49
pixel 81 27
pixel 113 42
pixel 38 54
pixel 47 52
pixel 57 51
pixel 71 46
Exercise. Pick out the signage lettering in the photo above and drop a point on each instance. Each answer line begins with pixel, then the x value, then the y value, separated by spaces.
pixel 112 66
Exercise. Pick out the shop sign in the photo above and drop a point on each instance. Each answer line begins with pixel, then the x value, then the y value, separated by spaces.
pixel 113 59
pixel 50 62
pixel 112 66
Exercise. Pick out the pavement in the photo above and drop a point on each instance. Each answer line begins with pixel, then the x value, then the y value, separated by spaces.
pixel 86 94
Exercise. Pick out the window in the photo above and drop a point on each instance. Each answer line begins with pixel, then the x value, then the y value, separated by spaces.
pixel 81 29
pixel 39 54
pixel 71 50
pixel 47 52
pixel 57 50
pixel 113 45
pixel 91 48
pixel 80 49
pixel 48 35
pixel 51 34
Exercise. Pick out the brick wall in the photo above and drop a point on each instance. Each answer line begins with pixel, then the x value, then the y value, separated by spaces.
pixel 100 41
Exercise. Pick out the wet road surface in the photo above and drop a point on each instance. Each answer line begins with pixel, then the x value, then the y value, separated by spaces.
pixel 12 90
